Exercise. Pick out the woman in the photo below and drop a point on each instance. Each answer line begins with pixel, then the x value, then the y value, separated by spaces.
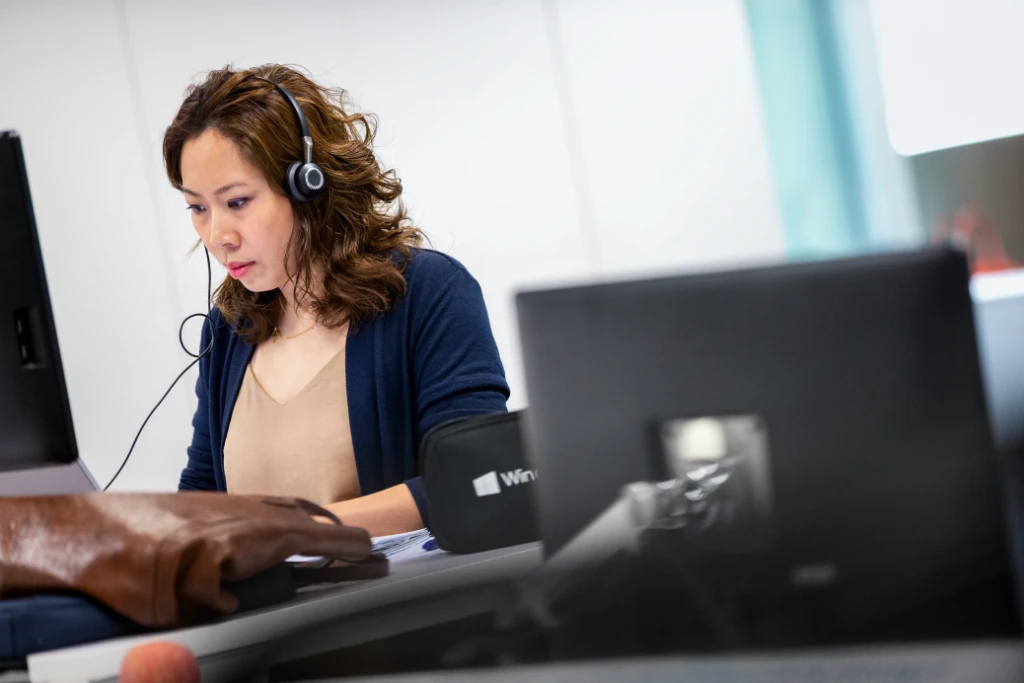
pixel 338 341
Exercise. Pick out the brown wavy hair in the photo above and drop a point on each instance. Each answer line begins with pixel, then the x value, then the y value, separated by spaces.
pixel 352 241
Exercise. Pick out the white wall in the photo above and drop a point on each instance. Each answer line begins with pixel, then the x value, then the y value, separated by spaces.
pixel 114 303
pixel 671 138
pixel 539 142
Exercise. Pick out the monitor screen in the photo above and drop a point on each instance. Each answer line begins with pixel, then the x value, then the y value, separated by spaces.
pixel 35 416
pixel 847 402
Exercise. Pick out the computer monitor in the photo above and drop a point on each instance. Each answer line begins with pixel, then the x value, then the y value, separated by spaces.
pixel 35 417
pixel 853 386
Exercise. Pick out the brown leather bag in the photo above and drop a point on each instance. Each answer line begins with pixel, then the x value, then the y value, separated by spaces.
pixel 162 559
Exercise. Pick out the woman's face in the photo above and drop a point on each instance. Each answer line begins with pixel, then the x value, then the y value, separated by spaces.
pixel 241 221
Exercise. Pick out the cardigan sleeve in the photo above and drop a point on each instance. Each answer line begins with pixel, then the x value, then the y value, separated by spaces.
pixel 457 370
pixel 198 473
pixel 456 367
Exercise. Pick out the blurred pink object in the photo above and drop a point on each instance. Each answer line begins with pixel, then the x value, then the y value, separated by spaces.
pixel 975 228
pixel 161 662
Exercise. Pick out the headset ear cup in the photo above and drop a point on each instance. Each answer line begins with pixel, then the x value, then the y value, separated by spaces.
pixel 291 182
pixel 310 180
pixel 304 181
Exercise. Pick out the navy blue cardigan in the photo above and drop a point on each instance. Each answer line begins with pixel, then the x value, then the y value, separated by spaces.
pixel 431 358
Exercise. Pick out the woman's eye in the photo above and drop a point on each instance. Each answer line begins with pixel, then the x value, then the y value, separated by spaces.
pixel 195 208
pixel 238 203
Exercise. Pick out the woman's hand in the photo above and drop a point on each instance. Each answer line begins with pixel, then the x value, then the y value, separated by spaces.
pixel 391 511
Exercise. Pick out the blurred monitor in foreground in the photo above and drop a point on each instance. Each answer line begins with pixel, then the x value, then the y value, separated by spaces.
pixel 858 492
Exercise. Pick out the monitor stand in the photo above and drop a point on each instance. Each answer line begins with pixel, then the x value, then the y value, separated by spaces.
pixel 48 480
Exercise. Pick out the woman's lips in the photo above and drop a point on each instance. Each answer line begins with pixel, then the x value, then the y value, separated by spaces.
pixel 238 270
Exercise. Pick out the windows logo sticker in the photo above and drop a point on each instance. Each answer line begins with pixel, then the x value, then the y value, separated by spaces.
pixel 487 485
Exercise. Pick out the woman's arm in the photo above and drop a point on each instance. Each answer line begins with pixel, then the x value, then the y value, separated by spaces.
pixel 456 365
pixel 391 511
pixel 456 372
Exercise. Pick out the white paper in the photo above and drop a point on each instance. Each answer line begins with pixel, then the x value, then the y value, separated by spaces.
pixel 396 547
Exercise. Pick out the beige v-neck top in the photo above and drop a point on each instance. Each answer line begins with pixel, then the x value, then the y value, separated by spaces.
pixel 301 448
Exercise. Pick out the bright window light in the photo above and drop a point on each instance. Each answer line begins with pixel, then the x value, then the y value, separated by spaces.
pixel 950 70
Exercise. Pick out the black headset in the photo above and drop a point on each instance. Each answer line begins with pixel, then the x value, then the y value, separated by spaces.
pixel 304 179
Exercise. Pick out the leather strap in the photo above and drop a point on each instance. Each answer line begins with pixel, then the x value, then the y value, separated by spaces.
pixel 334 571
pixel 310 508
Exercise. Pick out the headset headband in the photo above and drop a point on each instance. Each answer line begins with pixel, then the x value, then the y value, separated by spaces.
pixel 307 139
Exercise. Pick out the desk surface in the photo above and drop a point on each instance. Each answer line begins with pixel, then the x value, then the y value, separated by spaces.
pixel 429 590
pixel 980 662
